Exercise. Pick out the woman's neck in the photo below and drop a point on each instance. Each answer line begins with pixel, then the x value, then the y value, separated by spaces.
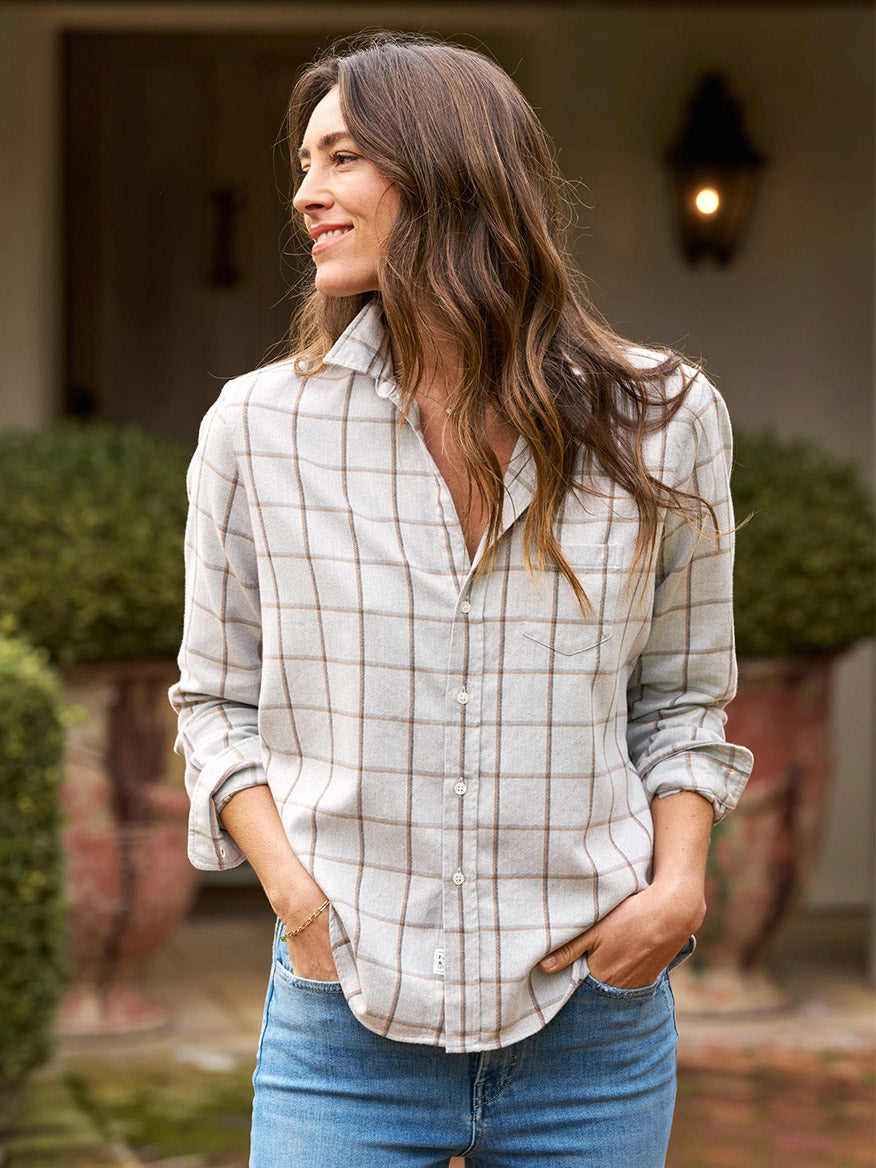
pixel 436 394
pixel 440 377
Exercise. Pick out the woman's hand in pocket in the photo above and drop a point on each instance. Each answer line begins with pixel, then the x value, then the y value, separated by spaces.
pixel 634 943
pixel 311 951
pixel 631 945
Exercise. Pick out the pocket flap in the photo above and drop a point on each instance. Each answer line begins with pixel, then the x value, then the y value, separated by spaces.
pixel 566 641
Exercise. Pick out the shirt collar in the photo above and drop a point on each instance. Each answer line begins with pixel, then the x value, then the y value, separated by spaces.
pixel 520 483
pixel 363 347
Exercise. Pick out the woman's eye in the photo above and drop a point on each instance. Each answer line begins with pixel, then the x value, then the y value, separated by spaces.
pixel 340 158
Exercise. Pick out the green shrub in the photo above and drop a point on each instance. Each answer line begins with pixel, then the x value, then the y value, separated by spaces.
pixel 805 560
pixel 91 542
pixel 32 961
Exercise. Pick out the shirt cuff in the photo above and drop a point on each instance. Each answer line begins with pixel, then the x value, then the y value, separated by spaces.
pixel 718 772
pixel 210 847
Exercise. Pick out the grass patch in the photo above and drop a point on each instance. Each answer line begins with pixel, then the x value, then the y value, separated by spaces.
pixel 158 1112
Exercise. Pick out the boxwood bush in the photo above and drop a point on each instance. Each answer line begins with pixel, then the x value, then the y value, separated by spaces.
pixel 805 559
pixel 91 564
pixel 32 962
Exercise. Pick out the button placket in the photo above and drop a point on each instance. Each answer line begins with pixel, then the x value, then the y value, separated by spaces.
pixel 465 608
pixel 463 697
pixel 460 814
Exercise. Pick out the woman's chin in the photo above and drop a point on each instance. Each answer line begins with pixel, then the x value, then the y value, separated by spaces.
pixel 335 284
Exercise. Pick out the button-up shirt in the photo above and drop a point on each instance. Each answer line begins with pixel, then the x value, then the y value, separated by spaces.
pixel 464 762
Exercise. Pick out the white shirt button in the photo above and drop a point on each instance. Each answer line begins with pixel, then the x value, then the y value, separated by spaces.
pixel 460 788
pixel 462 697
pixel 466 606
pixel 458 878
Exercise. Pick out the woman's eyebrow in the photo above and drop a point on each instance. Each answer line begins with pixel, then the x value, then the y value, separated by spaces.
pixel 325 143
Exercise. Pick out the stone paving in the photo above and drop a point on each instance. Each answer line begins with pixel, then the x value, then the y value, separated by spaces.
pixel 792 1090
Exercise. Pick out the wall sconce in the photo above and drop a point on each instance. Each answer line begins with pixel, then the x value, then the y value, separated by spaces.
pixel 714 171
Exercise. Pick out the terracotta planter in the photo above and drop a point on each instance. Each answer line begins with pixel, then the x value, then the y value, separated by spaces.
pixel 128 879
pixel 763 853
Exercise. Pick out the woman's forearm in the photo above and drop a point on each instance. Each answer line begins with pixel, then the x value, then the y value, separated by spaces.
pixel 682 830
pixel 252 820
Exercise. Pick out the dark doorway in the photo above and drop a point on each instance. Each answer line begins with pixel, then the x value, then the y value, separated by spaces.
pixel 179 254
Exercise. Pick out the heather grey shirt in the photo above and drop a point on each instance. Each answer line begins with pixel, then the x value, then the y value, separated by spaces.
pixel 465 764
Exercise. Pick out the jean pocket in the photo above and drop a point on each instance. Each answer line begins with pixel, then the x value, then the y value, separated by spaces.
pixel 618 993
pixel 289 977
pixel 683 953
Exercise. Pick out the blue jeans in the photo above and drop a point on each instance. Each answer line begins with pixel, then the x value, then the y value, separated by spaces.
pixel 595 1088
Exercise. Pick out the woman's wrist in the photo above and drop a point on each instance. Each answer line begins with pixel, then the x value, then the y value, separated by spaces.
pixel 683 898
pixel 291 930
pixel 294 900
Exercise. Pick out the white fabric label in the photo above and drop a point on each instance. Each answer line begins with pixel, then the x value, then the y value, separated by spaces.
pixel 438 967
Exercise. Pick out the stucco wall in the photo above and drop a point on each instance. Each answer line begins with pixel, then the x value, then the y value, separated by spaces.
pixel 786 331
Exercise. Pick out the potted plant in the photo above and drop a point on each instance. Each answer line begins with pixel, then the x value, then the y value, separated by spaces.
pixel 32 960
pixel 91 570
pixel 804 592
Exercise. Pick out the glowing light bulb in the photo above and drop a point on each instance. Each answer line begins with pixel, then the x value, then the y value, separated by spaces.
pixel 708 201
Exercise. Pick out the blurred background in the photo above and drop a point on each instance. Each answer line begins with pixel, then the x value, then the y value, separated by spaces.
pixel 147 259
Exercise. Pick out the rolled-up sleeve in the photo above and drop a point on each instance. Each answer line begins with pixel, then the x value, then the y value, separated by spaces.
pixel 217 696
pixel 686 674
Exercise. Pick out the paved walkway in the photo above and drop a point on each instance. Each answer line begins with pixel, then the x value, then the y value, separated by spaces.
pixel 790 1090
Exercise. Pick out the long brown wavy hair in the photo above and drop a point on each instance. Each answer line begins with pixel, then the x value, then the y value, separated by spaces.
pixel 479 248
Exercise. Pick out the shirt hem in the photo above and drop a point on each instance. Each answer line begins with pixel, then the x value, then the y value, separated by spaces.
pixel 525 1028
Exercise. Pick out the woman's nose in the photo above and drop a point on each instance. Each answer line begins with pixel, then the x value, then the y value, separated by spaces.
pixel 310 194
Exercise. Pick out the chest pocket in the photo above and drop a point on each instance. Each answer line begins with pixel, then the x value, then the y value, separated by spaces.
pixel 559 625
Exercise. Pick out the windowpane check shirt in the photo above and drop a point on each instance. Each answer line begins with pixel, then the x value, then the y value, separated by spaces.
pixel 464 763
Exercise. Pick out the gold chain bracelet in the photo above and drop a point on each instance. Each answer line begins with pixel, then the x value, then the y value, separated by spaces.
pixel 286 934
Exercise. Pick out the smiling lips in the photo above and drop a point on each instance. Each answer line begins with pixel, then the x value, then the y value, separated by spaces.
pixel 325 233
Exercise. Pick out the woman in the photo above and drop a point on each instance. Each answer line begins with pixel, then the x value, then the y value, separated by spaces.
pixel 458 643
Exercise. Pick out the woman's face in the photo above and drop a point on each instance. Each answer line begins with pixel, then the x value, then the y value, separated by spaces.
pixel 349 207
